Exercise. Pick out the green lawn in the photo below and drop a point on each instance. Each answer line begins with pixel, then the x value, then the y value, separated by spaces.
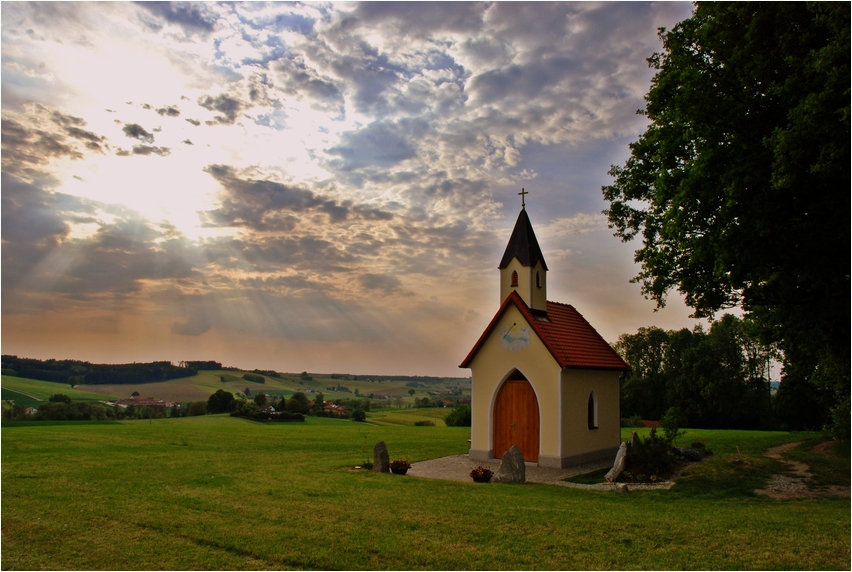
pixel 216 492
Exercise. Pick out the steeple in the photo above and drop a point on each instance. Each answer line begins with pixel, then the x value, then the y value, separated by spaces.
pixel 523 268
pixel 523 244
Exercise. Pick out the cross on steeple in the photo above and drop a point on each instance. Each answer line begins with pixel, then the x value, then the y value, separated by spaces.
pixel 523 202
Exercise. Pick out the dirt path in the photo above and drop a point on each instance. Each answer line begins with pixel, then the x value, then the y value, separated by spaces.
pixel 796 486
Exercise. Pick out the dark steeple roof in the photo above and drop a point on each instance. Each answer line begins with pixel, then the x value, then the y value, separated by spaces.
pixel 523 245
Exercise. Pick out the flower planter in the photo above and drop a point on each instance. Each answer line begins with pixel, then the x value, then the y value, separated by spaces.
pixel 400 466
pixel 481 475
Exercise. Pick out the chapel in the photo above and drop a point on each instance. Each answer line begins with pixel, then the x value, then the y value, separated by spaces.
pixel 542 377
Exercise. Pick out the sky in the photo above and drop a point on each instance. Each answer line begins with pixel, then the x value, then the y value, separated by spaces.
pixel 323 187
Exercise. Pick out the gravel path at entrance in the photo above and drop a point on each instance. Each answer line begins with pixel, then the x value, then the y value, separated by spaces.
pixel 458 467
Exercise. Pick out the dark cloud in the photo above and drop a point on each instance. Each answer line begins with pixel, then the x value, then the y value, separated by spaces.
pixel 169 110
pixel 419 19
pixel 30 140
pixel 299 79
pixel 372 77
pixel 193 121
pixel 228 106
pixel 384 283
pixel 193 17
pixel 196 323
pixel 32 225
pixel 265 205
pixel 135 131
pixel 151 150
pixel 380 144
pixel 42 265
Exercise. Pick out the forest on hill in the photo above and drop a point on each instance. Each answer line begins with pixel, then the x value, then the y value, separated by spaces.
pixel 76 372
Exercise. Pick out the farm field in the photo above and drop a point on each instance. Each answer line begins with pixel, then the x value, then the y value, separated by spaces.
pixel 42 390
pixel 216 492
pixel 201 386
pixel 390 416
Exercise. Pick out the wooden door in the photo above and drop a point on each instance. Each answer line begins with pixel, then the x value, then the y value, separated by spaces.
pixel 516 420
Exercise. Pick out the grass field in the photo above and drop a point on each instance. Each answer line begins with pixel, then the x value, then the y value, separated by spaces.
pixel 392 416
pixel 216 492
pixel 200 387
pixel 42 390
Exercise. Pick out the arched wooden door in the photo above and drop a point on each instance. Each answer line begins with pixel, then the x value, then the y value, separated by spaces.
pixel 516 419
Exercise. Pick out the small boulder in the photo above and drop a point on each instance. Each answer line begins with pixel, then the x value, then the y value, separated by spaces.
pixel 621 488
pixel 634 439
pixel 618 465
pixel 381 458
pixel 512 468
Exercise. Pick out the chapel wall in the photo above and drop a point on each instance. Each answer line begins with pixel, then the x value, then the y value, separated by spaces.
pixel 492 365
pixel 577 438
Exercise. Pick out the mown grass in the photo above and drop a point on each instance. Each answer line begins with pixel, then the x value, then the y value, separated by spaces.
pixel 392 416
pixel 216 492
pixel 42 390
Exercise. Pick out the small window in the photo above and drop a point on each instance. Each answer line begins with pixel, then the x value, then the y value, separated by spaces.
pixel 593 411
pixel 538 279
pixel 514 279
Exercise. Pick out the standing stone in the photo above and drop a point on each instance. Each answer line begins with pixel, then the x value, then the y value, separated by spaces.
pixel 512 468
pixel 381 458
pixel 618 465
pixel 634 439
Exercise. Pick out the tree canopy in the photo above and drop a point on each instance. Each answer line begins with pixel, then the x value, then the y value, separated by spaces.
pixel 221 402
pixel 740 185
pixel 717 379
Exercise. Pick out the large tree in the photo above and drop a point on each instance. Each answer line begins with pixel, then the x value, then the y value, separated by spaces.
pixel 740 187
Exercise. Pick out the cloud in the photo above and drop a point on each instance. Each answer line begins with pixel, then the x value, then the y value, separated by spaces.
pixel 149 150
pixel 170 110
pixel 381 144
pixel 379 282
pixel 192 17
pixel 197 322
pixel 33 138
pixel 356 179
pixel 420 19
pixel 266 205
pixel 228 106
pixel 135 131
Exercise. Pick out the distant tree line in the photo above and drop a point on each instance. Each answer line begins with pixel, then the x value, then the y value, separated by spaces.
pixel 200 365
pixel 76 372
pixel 717 379
pixel 60 407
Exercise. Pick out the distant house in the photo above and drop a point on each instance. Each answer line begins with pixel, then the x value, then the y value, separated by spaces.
pixel 335 410
pixel 30 411
pixel 137 401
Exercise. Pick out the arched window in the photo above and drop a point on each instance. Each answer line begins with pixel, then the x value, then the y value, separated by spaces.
pixel 593 410
pixel 514 279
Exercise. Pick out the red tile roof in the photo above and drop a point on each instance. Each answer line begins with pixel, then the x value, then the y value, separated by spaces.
pixel 571 340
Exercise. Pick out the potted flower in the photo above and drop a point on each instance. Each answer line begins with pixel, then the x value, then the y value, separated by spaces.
pixel 400 466
pixel 481 475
